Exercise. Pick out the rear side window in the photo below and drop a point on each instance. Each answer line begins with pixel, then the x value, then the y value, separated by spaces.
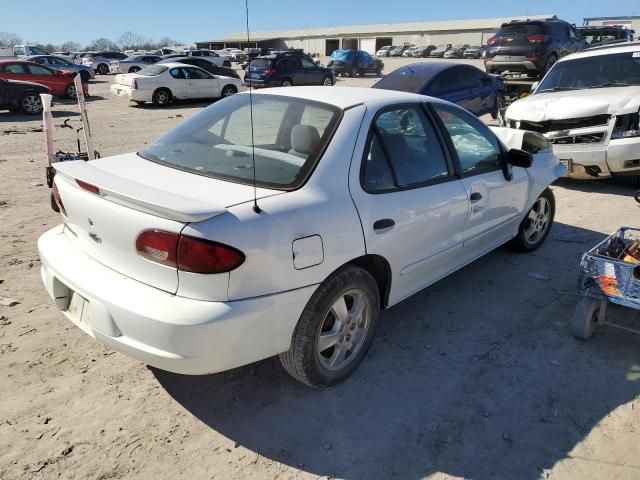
pixel 449 81
pixel 16 68
pixel 403 152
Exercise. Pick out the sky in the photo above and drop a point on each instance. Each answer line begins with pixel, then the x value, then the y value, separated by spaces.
pixel 194 20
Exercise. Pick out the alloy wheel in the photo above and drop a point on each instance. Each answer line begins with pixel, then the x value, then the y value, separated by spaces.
pixel 32 104
pixel 538 220
pixel 344 330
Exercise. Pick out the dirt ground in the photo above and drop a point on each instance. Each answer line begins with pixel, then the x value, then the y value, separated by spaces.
pixel 476 377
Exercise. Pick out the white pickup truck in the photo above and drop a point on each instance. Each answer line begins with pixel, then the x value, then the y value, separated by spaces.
pixel 21 51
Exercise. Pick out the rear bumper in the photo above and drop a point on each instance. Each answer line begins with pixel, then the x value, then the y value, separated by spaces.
pixel 130 93
pixel 172 333
pixel 512 63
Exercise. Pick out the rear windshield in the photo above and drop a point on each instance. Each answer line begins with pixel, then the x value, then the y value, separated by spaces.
pixel 261 63
pixel 289 138
pixel 522 29
pixel 152 70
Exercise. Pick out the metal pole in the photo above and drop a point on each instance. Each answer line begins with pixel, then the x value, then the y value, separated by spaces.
pixel 86 130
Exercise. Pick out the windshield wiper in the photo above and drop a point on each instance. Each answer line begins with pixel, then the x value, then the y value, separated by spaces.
pixel 555 89
pixel 611 84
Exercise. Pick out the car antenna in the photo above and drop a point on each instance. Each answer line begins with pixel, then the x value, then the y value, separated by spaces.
pixel 256 208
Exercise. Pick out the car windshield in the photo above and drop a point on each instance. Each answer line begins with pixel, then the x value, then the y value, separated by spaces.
pixel 152 70
pixel 618 69
pixel 37 51
pixel 133 58
pixel 290 136
pixel 342 56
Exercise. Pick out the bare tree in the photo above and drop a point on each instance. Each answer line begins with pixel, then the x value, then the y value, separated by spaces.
pixel 103 44
pixel 167 41
pixel 8 39
pixel 70 47
pixel 131 40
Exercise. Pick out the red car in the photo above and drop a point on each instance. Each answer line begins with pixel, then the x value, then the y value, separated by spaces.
pixel 60 83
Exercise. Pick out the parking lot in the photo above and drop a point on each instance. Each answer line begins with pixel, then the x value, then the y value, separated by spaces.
pixel 475 377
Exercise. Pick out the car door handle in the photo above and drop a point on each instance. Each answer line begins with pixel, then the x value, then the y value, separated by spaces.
pixel 383 224
pixel 475 197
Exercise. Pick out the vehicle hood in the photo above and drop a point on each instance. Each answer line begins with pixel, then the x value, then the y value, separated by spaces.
pixel 576 104
pixel 163 191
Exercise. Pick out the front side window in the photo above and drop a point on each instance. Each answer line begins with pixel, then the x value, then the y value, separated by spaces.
pixel 403 152
pixel 195 74
pixel 448 81
pixel 289 137
pixel 477 148
pixel 308 64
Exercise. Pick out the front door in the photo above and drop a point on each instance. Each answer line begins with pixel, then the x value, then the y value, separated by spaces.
pixel 412 207
pixel 495 203
pixel 450 85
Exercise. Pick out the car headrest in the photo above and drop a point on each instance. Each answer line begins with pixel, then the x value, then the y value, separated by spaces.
pixel 304 139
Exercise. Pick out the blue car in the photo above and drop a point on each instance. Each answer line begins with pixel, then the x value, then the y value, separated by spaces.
pixel 465 85
pixel 59 63
pixel 287 69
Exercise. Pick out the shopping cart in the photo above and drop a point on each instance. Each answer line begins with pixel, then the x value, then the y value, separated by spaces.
pixel 605 277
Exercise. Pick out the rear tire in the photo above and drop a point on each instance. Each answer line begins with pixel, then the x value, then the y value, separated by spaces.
pixel 353 72
pixel 103 69
pixel 70 91
pixel 335 329
pixel 161 97
pixel 536 225
pixel 287 82
pixel 228 90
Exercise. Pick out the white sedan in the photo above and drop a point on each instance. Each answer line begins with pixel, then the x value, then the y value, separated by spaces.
pixel 165 82
pixel 216 246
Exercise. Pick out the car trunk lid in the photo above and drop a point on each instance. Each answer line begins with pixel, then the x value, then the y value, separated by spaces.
pixel 109 202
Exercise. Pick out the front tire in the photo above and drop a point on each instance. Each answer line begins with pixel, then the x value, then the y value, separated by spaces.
pixel 536 225
pixel 353 72
pixel 287 82
pixel 161 97
pixel 103 69
pixel 31 104
pixel 228 90
pixel 327 81
pixel 70 91
pixel 335 329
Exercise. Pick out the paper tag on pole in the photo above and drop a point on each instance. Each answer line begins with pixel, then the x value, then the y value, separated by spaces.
pixel 86 129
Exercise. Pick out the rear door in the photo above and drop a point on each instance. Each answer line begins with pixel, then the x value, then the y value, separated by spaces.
pixel 310 71
pixel 15 71
pixel 496 203
pixel 483 93
pixel 412 206
pixel 451 85
pixel 45 76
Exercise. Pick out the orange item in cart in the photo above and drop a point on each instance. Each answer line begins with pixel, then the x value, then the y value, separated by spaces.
pixel 608 281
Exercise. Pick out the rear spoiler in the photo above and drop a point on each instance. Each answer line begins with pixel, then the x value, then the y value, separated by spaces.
pixel 137 196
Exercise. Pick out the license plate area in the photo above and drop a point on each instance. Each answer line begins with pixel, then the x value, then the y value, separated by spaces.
pixel 78 309
pixel 567 162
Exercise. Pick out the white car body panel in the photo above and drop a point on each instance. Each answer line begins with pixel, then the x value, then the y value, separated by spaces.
pixel 609 155
pixel 193 323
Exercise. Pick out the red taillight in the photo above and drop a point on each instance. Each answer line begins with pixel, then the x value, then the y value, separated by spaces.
pixel 188 254
pixel 158 246
pixel 270 72
pixel 58 199
pixel 537 38
pixel 134 84
pixel 88 187
pixel 492 40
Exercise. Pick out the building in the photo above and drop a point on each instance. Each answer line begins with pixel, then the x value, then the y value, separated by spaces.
pixel 632 23
pixel 370 37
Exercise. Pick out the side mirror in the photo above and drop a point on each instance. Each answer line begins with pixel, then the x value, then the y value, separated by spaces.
pixel 519 158
pixel 534 85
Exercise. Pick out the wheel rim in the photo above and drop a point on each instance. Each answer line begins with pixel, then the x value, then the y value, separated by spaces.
pixel 71 91
pixel 354 73
pixel 227 92
pixel 103 69
pixel 286 83
pixel 344 330
pixel 538 220
pixel 32 103
pixel 327 82
pixel 162 97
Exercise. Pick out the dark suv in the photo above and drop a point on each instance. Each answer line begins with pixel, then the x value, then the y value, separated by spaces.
pixel 286 69
pixel 531 46
pixel 354 63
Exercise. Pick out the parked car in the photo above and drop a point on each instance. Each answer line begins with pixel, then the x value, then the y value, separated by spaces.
pixel 21 51
pixel 252 54
pixel 354 63
pixel 287 69
pixel 363 198
pixel 465 85
pixel 605 34
pixel 203 64
pixel 385 51
pixel 397 51
pixel 456 51
pixel 162 51
pixel 587 106
pixel 473 51
pixel 132 64
pixel 163 83
pixel 213 57
pixel 439 51
pixel 531 46
pixel 237 55
pixel 23 97
pixel 63 65
pixel 409 51
pixel 60 83
pixel 100 61
pixel 422 52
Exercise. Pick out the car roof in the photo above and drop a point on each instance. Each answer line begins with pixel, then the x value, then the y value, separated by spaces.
pixel 430 68
pixel 346 97
pixel 608 49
